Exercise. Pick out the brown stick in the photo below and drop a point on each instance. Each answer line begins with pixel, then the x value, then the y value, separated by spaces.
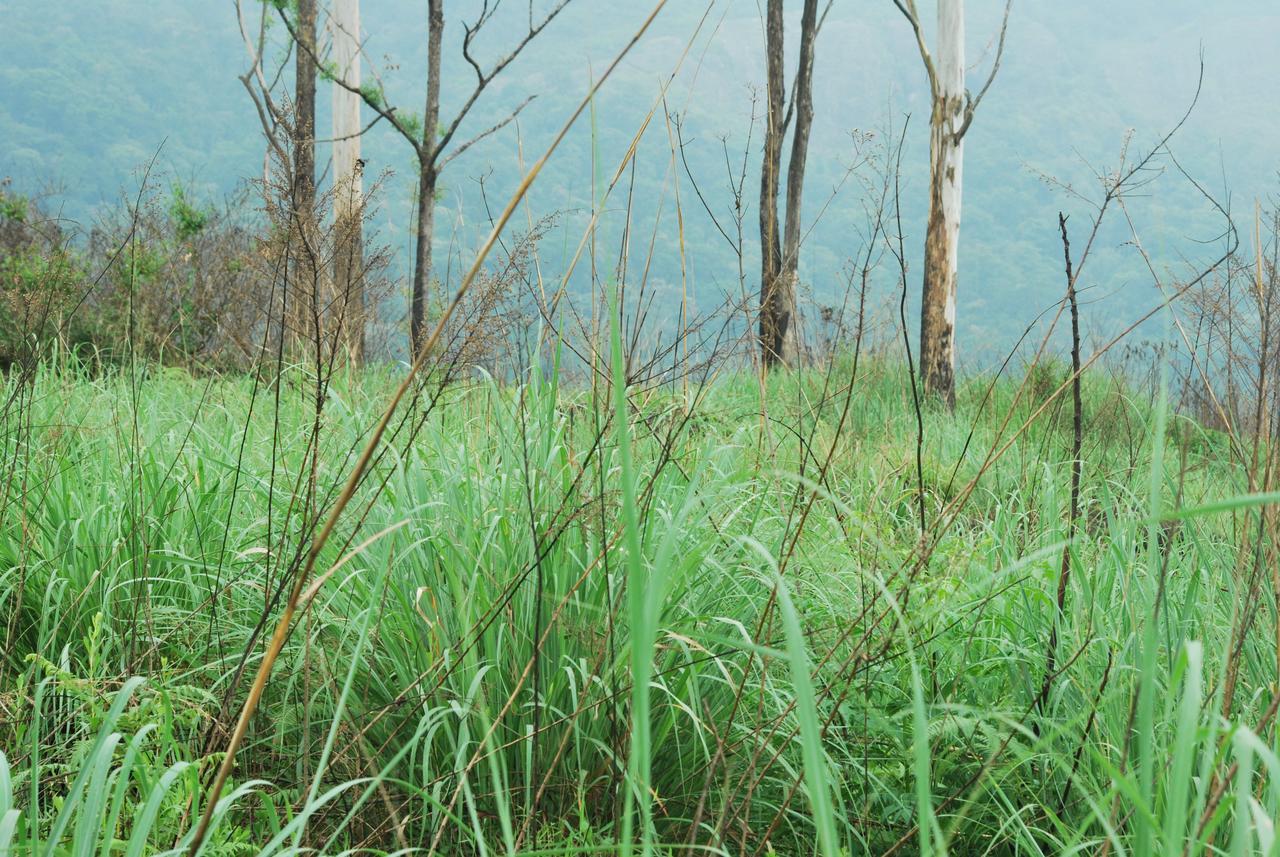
pixel 1064 573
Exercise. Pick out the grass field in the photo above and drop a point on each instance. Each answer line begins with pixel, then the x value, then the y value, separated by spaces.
pixel 714 627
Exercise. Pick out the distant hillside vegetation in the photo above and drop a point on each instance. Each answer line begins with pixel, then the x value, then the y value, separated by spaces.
pixel 92 90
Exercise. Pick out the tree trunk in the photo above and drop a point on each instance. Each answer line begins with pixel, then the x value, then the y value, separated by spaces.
pixel 775 310
pixel 347 179
pixel 789 342
pixel 304 297
pixel 780 259
pixel 422 254
pixel 946 154
pixel 304 135
pixel 428 175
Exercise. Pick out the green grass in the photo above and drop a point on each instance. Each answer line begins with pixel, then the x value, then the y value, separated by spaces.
pixel 463 678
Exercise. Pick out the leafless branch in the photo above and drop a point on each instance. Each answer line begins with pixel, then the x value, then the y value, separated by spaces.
pixel 492 129
pixel 269 115
pixel 680 148
pixel 483 78
pixel 387 113
pixel 374 121
pixel 908 10
pixel 971 104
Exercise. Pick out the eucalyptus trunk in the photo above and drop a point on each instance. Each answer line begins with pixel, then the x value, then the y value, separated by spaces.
pixel 942 237
pixel 422 254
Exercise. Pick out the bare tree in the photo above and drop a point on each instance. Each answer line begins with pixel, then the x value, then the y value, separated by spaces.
pixel 348 215
pixel 779 259
pixel 952 113
pixel 434 141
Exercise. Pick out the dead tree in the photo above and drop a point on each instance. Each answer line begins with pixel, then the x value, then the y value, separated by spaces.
pixel 952 112
pixel 780 256
pixel 434 141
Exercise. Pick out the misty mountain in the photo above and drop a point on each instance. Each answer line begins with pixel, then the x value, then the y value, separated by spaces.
pixel 90 92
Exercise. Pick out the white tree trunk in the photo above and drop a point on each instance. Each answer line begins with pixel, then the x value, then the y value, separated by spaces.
pixel 946 148
pixel 347 173
pixel 346 104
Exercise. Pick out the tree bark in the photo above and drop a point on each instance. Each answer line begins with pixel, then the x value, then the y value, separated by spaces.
pixel 422 253
pixel 780 258
pixel 347 179
pixel 775 313
pixel 790 340
pixel 303 301
pixel 428 175
pixel 942 237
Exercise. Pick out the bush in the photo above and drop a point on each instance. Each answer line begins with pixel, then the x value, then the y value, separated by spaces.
pixel 175 281
pixel 167 279
pixel 39 276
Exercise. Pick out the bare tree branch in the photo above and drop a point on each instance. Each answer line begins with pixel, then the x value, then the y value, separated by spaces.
pixel 908 9
pixel 269 115
pixel 492 129
pixel 374 121
pixel 387 113
pixel 679 129
pixel 971 105
pixel 483 78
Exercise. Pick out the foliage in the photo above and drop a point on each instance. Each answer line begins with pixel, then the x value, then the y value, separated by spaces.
pixel 13 208
pixel 464 673
pixel 188 220
pixel 166 278
pixel 39 279
pixel 372 93
pixel 633 609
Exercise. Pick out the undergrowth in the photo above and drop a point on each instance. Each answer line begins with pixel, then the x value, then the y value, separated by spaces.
pixel 824 677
